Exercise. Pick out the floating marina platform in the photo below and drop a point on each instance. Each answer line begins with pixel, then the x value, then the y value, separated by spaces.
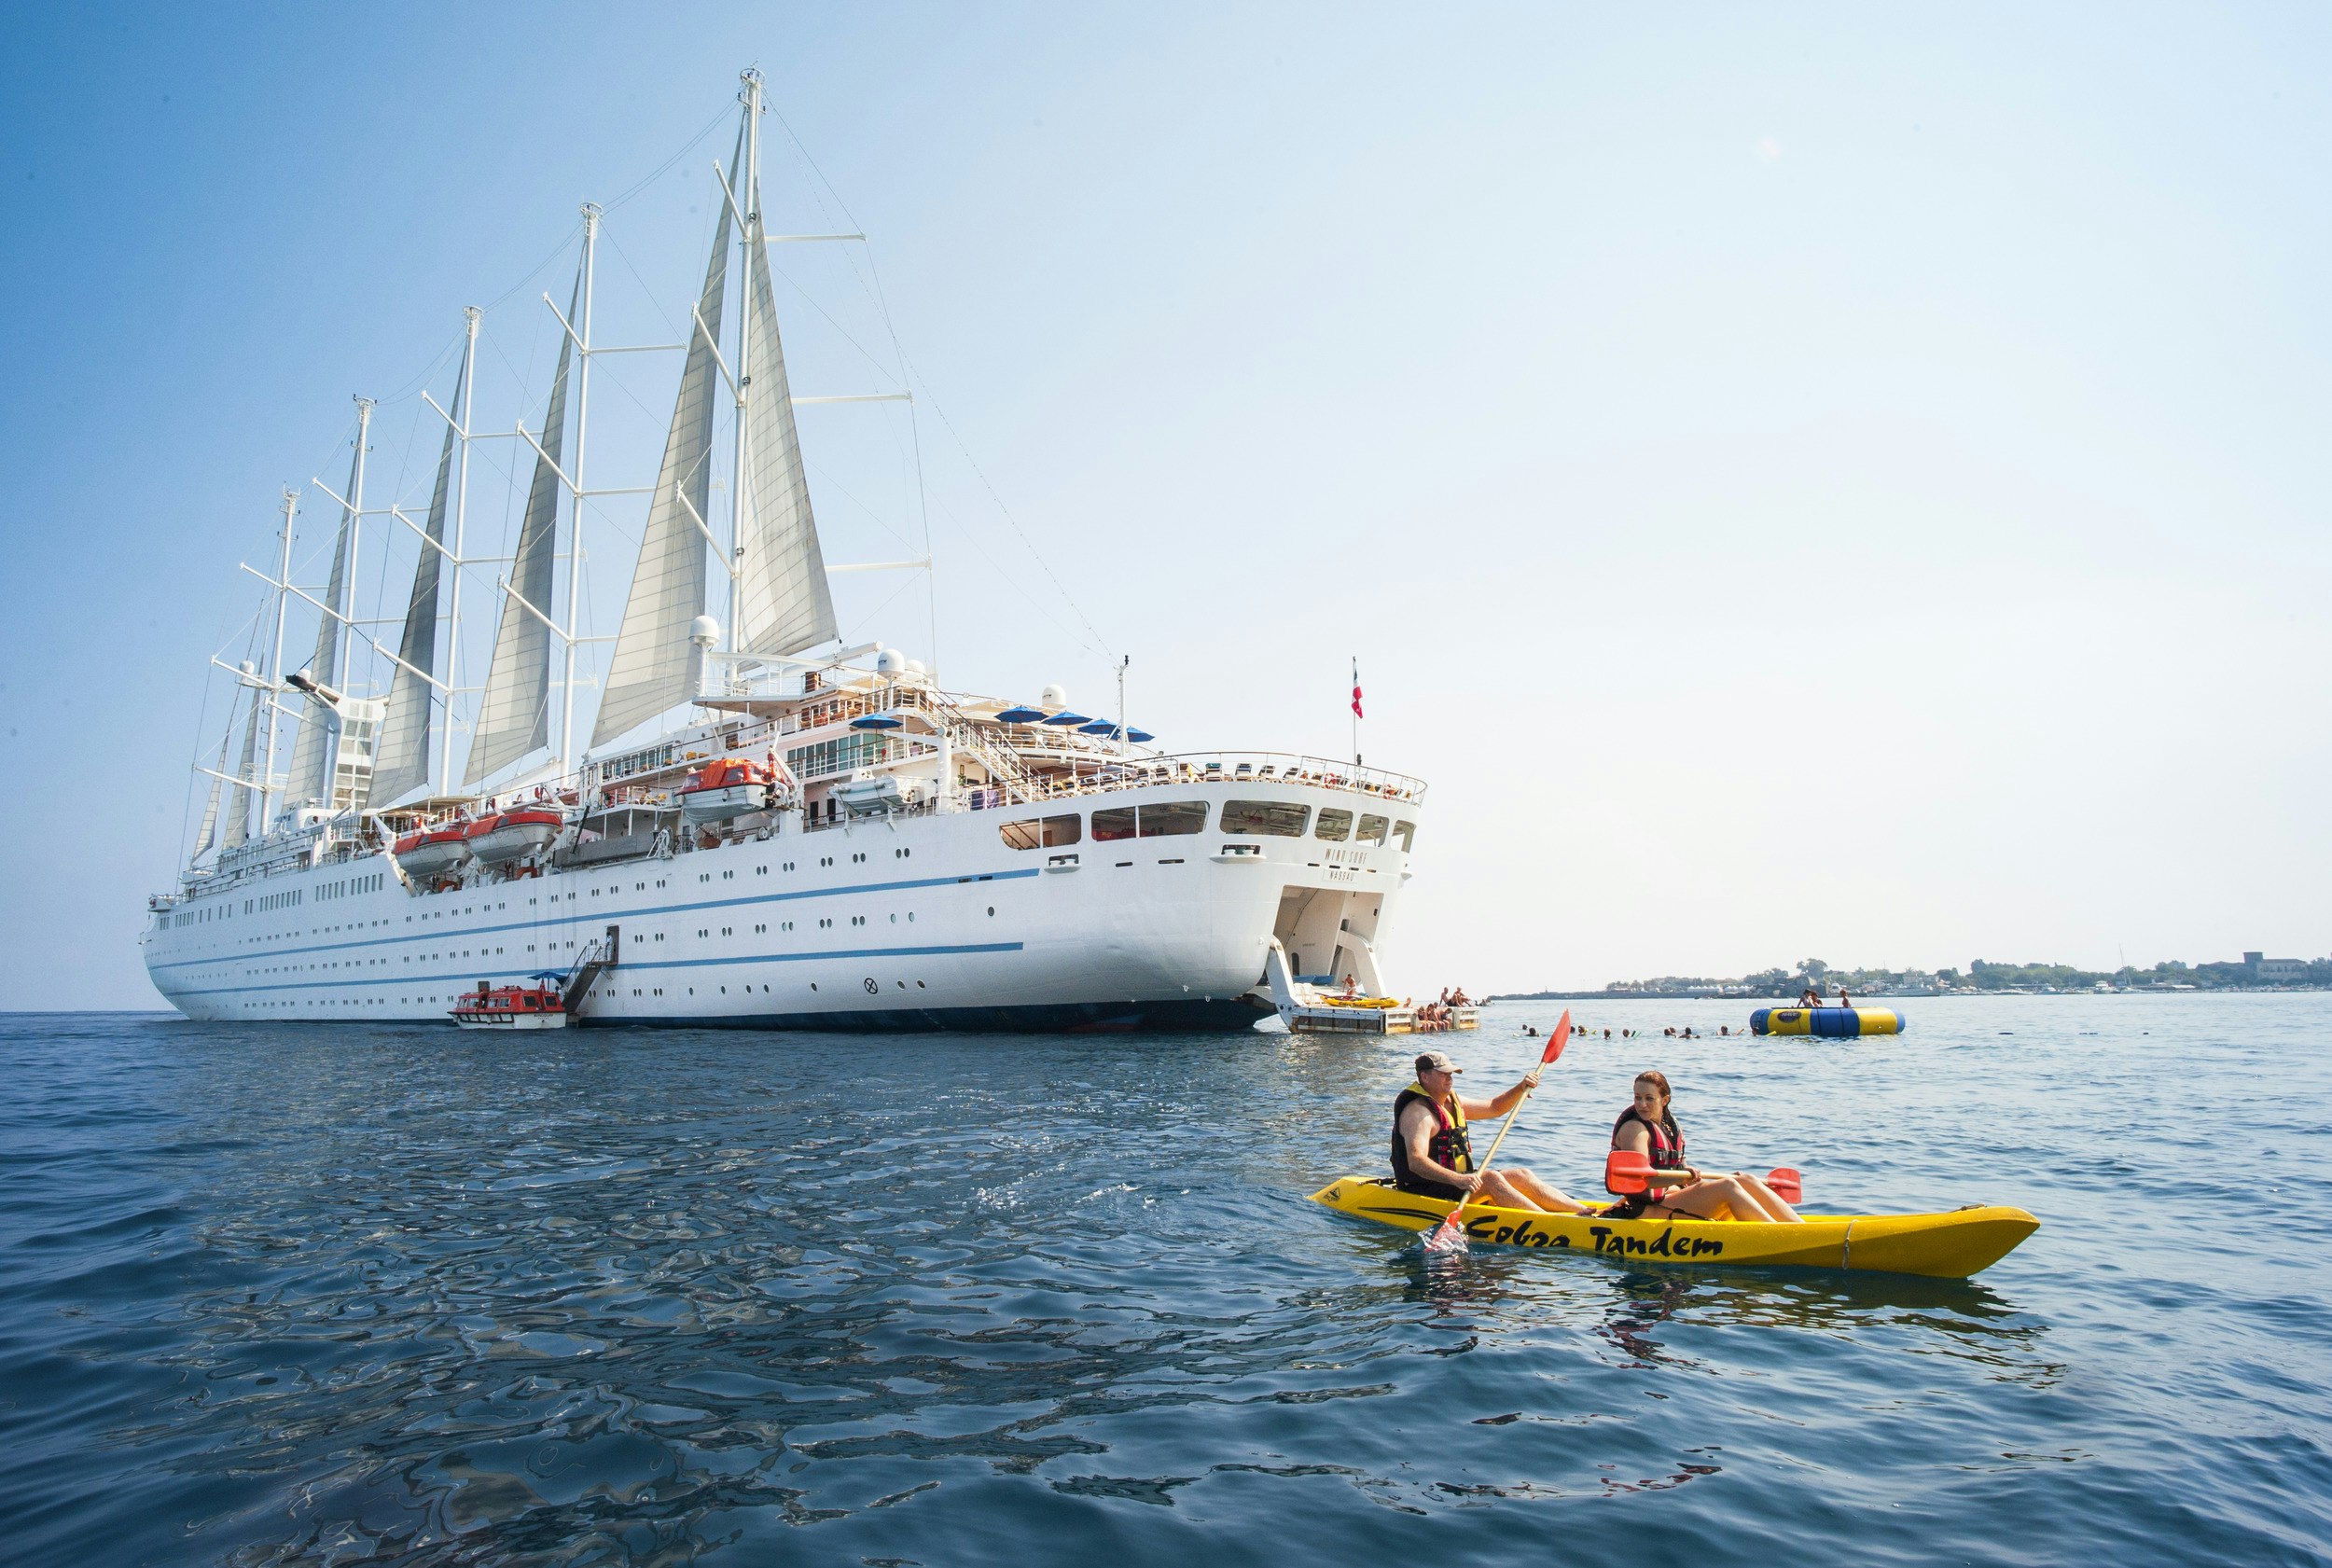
pixel 1309 1007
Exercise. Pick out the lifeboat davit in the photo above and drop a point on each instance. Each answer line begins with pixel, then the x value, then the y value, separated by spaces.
pixel 497 841
pixel 435 851
pixel 731 788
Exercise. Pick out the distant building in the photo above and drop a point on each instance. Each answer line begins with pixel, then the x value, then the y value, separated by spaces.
pixel 2278 971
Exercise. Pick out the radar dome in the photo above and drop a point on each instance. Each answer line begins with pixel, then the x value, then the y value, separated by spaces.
pixel 890 661
pixel 1053 697
pixel 704 631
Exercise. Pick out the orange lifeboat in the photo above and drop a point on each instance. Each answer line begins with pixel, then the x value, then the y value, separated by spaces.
pixel 507 836
pixel 733 786
pixel 432 851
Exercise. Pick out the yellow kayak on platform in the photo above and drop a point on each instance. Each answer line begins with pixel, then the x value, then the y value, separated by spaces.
pixel 1949 1246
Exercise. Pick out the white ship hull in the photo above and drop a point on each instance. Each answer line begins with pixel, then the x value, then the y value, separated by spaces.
pixel 929 920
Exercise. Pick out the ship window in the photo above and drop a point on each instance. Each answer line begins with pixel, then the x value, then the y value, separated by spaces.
pixel 1371 830
pixel 1406 832
pixel 1114 823
pixel 1272 818
pixel 1334 826
pixel 1172 818
pixel 1047 832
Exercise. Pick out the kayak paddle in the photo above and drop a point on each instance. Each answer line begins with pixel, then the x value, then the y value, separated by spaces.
pixel 1627 1171
pixel 1450 1234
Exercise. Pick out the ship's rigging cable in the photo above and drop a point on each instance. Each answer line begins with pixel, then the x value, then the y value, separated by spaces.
pixel 720 118
pixel 909 376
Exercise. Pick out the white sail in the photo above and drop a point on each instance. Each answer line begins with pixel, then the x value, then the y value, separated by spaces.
pixel 783 603
pixel 318 746
pixel 209 835
pixel 514 717
pixel 652 667
pixel 239 816
pixel 403 764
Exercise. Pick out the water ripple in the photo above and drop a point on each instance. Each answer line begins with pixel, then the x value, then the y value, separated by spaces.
pixel 279 1296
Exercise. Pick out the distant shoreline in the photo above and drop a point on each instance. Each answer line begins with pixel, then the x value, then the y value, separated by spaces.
pixel 1901 995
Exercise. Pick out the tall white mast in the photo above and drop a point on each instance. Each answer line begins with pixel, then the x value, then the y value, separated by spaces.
pixel 348 611
pixel 575 523
pixel 461 512
pixel 275 665
pixel 738 499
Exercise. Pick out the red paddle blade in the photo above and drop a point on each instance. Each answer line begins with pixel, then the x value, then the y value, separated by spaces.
pixel 1449 1236
pixel 1556 1041
pixel 1627 1171
pixel 1787 1186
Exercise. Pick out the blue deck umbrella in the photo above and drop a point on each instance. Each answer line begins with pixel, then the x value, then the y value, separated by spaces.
pixel 874 721
pixel 1140 737
pixel 1022 714
pixel 1099 727
pixel 1066 718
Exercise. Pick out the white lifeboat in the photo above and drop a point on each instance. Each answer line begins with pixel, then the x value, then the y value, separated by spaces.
pixel 870 793
pixel 731 787
pixel 508 836
pixel 432 851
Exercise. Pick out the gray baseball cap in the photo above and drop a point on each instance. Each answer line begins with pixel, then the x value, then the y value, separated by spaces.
pixel 1436 1062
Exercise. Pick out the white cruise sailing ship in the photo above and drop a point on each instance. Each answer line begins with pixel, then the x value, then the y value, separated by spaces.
pixel 764 829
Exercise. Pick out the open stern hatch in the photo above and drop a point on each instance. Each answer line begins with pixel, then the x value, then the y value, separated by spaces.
pixel 807 834
pixel 1339 923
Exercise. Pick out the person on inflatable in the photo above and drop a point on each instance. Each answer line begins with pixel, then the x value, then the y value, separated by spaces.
pixel 1648 1126
pixel 1433 1153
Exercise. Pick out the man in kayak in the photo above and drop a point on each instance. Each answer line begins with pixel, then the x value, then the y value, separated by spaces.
pixel 1433 1154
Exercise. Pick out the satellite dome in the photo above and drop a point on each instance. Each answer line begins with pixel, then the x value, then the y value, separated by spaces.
pixel 1054 697
pixel 704 631
pixel 890 661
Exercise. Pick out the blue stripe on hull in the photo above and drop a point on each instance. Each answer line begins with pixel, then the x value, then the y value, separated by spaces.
pixel 1052 1017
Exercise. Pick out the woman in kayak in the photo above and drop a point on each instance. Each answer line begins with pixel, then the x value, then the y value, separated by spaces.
pixel 1679 1191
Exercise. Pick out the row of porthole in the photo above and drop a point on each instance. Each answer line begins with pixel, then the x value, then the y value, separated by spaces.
pixel 873 985
pixel 788 925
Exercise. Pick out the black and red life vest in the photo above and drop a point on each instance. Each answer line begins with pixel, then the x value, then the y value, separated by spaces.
pixel 1667 1152
pixel 1668 1139
pixel 1450 1147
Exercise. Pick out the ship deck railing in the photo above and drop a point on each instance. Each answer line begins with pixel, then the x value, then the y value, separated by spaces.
pixel 1234 768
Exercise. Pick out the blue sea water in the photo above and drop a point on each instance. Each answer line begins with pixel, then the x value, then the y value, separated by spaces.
pixel 286 1293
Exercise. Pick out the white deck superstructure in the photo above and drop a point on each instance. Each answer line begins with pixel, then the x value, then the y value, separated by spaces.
pixel 921 858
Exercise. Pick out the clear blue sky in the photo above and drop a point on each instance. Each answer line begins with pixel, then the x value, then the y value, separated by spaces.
pixel 1844 482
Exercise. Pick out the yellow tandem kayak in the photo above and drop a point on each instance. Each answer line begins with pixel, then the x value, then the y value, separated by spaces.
pixel 1949 1246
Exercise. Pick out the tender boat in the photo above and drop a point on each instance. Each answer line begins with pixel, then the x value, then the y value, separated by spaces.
pixel 511 1007
pixel 507 836
pixel 1949 1246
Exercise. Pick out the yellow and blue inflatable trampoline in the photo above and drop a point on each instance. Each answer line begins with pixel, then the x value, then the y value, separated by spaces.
pixel 1835 1022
